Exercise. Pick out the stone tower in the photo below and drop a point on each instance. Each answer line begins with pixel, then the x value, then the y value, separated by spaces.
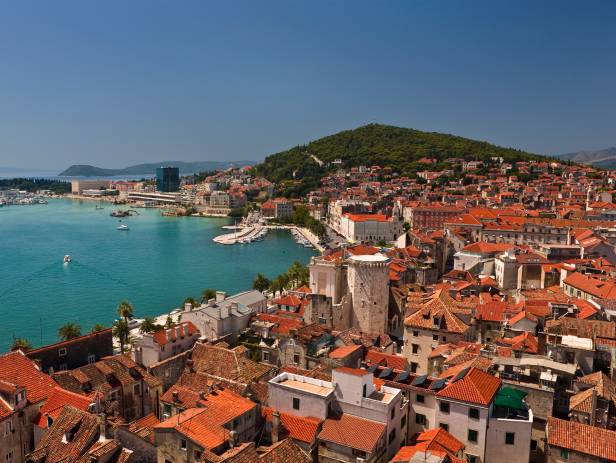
pixel 368 285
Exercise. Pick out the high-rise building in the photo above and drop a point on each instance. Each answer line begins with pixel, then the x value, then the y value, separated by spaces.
pixel 167 179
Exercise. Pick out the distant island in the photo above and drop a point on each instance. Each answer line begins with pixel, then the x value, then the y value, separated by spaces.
pixel 605 158
pixel 81 170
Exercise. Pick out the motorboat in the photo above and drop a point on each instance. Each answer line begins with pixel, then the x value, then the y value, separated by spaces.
pixel 122 227
pixel 67 259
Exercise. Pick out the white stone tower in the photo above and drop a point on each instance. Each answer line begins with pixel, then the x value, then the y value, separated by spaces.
pixel 368 281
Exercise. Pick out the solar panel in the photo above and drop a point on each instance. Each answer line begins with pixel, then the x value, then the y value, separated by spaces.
pixel 372 368
pixel 402 376
pixel 460 375
pixel 419 380
pixel 438 384
pixel 385 373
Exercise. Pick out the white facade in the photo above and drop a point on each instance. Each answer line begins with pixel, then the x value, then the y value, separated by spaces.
pixel 369 229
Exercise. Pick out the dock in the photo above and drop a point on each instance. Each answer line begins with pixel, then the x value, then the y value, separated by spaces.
pixel 247 233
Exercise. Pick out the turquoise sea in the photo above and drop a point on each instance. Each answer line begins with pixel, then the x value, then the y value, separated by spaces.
pixel 154 265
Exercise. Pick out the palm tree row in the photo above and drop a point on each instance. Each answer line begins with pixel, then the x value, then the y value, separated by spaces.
pixel 297 275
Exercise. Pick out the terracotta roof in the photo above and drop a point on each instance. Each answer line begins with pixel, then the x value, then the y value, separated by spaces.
pixel 344 351
pixel 525 342
pixel 582 328
pixel 304 429
pixel 16 370
pixel 353 432
pixel 582 438
pixel 374 357
pixel 596 287
pixel 484 247
pixel 443 307
pixel 164 336
pixel 368 217
pixel 601 384
pixel 521 316
pixel 227 363
pixel 144 427
pixel 352 371
pixel 57 400
pixel 477 387
pixel 204 425
pixel 442 438
pixel 290 300
pixel 476 361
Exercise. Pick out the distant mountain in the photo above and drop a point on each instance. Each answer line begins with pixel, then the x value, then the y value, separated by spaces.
pixel 376 144
pixel 79 170
pixel 599 158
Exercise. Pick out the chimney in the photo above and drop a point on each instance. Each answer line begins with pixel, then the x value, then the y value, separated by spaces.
pixel 232 439
pixel 176 396
pixel 275 426
pixel 103 427
pixel 188 307
pixel 220 296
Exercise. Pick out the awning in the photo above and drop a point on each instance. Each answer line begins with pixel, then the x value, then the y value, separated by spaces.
pixel 509 397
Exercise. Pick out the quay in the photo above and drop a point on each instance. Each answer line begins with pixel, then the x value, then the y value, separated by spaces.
pixel 247 233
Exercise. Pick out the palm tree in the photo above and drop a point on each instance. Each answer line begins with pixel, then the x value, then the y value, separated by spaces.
pixel 149 325
pixel 121 332
pixel 169 322
pixel 192 301
pixel 68 331
pixel 260 283
pixel 21 344
pixel 207 294
pixel 98 327
pixel 125 310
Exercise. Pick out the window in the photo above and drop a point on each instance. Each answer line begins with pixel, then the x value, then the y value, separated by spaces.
pixel 564 454
pixel 393 413
pixel 295 403
pixel 265 356
pixel 62 351
pixel 356 453
pixel 403 421
pixel 91 359
pixel 8 428
pixel 414 366
pixel 415 333
pixel 197 454
pixel 364 391
pixel 322 321
pixel 8 458
pixel 509 438
pixel 471 458
pixel 415 348
pixel 533 445
pixel 472 435
pixel 420 419
pixel 392 436
pixel 182 444
pixel 420 398
pixel 444 426
pixel 435 337
pixel 444 407
pixel 473 413
pixel 296 358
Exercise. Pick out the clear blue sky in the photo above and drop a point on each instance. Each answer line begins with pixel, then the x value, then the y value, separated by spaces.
pixel 115 83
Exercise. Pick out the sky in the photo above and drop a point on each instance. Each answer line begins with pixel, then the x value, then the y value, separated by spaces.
pixel 116 83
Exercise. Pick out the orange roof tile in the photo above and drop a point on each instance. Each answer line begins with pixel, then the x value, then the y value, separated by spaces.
pixel 477 387
pixel 353 432
pixel 581 438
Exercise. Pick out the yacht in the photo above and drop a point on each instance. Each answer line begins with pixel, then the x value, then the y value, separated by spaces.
pixel 122 227
pixel 67 259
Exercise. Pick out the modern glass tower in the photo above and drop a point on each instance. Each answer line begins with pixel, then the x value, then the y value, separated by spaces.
pixel 167 179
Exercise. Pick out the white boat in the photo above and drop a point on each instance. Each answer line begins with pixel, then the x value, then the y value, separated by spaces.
pixel 67 259
pixel 122 227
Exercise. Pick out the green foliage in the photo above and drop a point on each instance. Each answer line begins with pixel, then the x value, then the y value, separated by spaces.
pixel 375 144
pixel 34 184
pixel 149 325
pixel 21 344
pixel 98 327
pixel 297 275
pixel 260 283
pixel 68 331
pixel 192 301
pixel 125 310
pixel 207 294
pixel 121 332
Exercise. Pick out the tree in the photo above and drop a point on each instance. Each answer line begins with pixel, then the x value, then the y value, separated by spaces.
pixel 207 294
pixel 125 310
pixel 21 344
pixel 121 333
pixel 98 327
pixel 192 301
pixel 406 226
pixel 149 325
pixel 169 322
pixel 261 283
pixel 68 331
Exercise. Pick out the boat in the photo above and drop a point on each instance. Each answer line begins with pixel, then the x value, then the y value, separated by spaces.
pixel 122 227
pixel 67 259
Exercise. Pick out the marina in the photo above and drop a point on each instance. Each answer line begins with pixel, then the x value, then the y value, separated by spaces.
pixel 155 265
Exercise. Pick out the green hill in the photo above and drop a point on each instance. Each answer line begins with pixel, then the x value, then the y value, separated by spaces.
pixel 375 144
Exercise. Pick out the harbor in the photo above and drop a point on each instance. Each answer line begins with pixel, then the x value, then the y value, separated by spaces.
pixel 246 234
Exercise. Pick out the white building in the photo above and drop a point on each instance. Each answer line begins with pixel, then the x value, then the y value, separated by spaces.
pixel 369 227
pixel 78 186
pixel 154 347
